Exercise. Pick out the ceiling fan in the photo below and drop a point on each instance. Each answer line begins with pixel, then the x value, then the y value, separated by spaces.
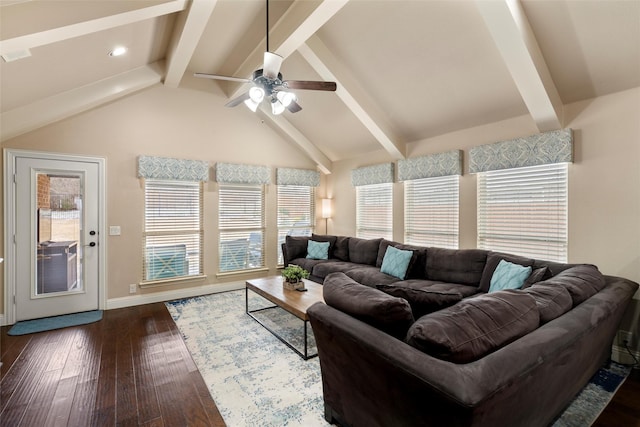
pixel 269 85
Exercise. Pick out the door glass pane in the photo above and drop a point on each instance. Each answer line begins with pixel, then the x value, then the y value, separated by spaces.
pixel 58 225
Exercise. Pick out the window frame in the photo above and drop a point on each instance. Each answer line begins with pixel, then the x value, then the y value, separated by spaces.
pixel 368 225
pixel 286 229
pixel 432 212
pixel 531 213
pixel 236 236
pixel 162 231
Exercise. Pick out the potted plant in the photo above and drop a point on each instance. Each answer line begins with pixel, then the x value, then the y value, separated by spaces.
pixel 293 275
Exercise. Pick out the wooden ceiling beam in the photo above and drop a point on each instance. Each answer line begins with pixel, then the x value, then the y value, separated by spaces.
pixel 66 104
pixel 515 40
pixel 189 27
pixel 46 37
pixel 349 91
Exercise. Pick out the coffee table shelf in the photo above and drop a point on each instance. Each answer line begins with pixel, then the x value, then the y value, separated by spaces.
pixel 292 301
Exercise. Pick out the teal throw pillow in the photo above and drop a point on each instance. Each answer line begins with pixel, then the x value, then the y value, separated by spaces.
pixel 317 250
pixel 396 262
pixel 508 276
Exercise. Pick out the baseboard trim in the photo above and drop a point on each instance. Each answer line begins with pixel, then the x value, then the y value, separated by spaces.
pixel 621 355
pixel 133 300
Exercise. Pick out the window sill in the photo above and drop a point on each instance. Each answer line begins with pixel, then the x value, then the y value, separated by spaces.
pixel 167 282
pixel 239 272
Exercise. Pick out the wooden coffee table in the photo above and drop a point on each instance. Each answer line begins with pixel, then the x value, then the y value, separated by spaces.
pixel 294 302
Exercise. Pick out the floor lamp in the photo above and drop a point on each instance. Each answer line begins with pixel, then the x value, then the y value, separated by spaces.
pixel 326 213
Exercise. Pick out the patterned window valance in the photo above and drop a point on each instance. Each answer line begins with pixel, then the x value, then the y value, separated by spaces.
pixel 540 149
pixel 168 168
pixel 376 174
pixel 305 177
pixel 441 164
pixel 232 173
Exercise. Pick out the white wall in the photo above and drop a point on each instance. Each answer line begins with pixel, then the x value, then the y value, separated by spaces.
pixel 160 121
pixel 604 181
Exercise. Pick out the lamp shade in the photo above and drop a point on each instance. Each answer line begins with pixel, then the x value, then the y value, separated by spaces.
pixel 326 208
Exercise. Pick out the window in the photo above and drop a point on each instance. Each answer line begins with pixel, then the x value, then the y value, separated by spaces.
pixel 374 211
pixel 524 211
pixel 296 213
pixel 431 212
pixel 173 230
pixel 241 224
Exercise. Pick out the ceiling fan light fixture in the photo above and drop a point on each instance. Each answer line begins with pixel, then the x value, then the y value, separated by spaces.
pixel 269 84
pixel 256 94
pixel 253 106
pixel 277 107
pixel 286 98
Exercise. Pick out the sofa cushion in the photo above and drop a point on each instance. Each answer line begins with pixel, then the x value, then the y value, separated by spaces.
pixel 464 266
pixel 396 262
pixel 382 249
pixel 508 276
pixel 326 238
pixel 341 248
pixel 417 264
pixel 296 246
pixel 582 282
pixel 475 327
pixel 385 312
pixel 370 276
pixel 537 275
pixel 308 263
pixel 317 250
pixel 363 251
pixel 493 259
pixel 323 269
pixel 435 286
pixel 422 301
pixel 552 301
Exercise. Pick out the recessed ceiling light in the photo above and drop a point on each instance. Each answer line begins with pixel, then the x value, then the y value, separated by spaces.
pixel 120 50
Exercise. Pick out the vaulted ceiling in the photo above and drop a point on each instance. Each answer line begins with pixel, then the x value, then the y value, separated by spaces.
pixel 406 70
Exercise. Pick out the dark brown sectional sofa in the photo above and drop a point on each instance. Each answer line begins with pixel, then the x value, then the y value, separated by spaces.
pixel 433 348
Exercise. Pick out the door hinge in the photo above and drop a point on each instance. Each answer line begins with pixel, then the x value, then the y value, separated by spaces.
pixel 14 179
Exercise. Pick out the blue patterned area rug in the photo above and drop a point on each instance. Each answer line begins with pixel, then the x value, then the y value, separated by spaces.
pixel 256 380
pixel 252 376
pixel 56 322
pixel 594 397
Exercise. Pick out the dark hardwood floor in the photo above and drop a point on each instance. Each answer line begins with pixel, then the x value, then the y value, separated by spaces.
pixel 624 409
pixel 130 369
pixel 133 369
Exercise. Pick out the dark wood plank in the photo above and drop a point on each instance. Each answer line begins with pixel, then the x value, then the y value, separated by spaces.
pixel 624 408
pixel 130 369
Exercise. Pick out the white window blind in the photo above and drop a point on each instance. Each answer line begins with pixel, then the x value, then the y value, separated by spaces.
pixel 374 211
pixel 173 230
pixel 524 211
pixel 296 213
pixel 431 212
pixel 241 224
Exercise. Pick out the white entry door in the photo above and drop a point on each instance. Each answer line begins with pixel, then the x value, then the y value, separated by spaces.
pixel 57 245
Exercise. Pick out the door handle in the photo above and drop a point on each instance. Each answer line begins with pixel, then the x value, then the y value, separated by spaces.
pixel 92 244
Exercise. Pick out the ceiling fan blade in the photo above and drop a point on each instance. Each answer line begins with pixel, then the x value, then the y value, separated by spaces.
pixel 271 67
pixel 218 77
pixel 310 85
pixel 238 100
pixel 294 107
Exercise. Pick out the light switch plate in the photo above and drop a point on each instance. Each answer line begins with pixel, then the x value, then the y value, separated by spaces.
pixel 114 230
